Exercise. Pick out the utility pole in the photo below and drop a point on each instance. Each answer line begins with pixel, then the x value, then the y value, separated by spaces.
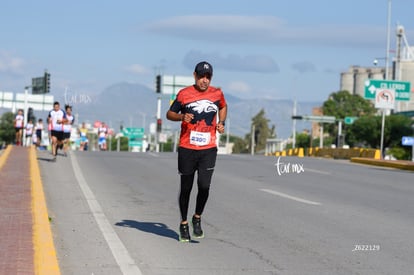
pixel 252 140
pixel 387 56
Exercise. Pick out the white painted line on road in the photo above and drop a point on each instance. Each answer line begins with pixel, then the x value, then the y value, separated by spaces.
pixel 290 197
pixel 121 254
pixel 317 171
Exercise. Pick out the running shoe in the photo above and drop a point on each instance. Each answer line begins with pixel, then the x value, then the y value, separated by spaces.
pixel 184 233
pixel 198 232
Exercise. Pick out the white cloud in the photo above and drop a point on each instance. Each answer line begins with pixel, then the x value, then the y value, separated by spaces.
pixel 266 30
pixel 234 62
pixel 137 69
pixel 11 64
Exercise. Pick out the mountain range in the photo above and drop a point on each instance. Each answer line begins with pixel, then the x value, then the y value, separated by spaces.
pixel 133 105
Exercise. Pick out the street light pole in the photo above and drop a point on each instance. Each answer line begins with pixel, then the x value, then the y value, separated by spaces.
pixel 387 56
pixel 412 146
pixel 26 114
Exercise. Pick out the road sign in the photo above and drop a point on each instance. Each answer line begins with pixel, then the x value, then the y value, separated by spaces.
pixel 350 119
pixel 135 143
pixel 385 99
pixel 171 84
pixel 402 89
pixel 37 102
pixel 323 119
pixel 407 141
pixel 134 135
pixel 133 132
pixel 6 100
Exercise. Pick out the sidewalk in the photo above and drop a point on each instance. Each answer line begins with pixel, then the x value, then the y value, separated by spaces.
pixel 26 243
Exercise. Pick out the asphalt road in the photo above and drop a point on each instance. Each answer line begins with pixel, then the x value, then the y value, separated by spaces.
pixel 117 213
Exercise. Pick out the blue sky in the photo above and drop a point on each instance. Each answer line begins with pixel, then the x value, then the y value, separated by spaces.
pixel 292 49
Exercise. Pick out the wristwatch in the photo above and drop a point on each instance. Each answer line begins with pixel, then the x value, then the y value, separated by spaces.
pixel 223 122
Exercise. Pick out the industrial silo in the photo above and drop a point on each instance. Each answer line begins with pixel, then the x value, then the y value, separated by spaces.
pixel 361 75
pixel 347 81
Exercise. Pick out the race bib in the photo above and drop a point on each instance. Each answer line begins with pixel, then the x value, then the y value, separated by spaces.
pixel 199 138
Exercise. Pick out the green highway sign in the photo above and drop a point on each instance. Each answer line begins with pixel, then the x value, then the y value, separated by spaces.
pixel 135 136
pixel 350 119
pixel 135 143
pixel 321 119
pixel 402 89
pixel 133 132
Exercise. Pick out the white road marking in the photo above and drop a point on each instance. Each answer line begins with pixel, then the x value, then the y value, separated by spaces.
pixel 317 171
pixel 121 254
pixel 153 154
pixel 290 197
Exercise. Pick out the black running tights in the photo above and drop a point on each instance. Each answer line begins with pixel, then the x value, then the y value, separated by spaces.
pixel 203 184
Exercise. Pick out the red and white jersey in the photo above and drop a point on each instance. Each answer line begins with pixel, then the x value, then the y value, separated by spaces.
pixel 56 116
pixel 18 121
pixel 200 133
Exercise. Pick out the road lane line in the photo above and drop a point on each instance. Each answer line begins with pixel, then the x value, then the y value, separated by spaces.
pixel 121 254
pixel 45 259
pixel 317 171
pixel 290 197
pixel 5 155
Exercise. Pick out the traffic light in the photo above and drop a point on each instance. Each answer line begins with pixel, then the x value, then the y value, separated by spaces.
pixel 158 84
pixel 47 82
pixel 159 125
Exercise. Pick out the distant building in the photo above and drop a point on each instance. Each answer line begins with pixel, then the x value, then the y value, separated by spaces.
pixel 354 79
pixel 316 128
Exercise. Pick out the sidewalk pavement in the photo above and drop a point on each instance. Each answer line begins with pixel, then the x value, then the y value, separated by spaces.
pixel 26 243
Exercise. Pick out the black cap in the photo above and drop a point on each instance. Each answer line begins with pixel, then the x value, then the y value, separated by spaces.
pixel 203 68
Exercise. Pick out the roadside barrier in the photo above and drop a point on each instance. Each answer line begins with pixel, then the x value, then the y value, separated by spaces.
pixel 336 153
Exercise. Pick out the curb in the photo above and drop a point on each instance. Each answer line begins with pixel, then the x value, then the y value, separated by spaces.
pixel 403 165
pixel 4 155
pixel 45 260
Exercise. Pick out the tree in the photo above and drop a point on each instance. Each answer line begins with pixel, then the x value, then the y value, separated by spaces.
pixel 240 145
pixel 261 132
pixel 7 132
pixel 366 131
pixel 343 104
pixel 123 142
pixel 303 140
